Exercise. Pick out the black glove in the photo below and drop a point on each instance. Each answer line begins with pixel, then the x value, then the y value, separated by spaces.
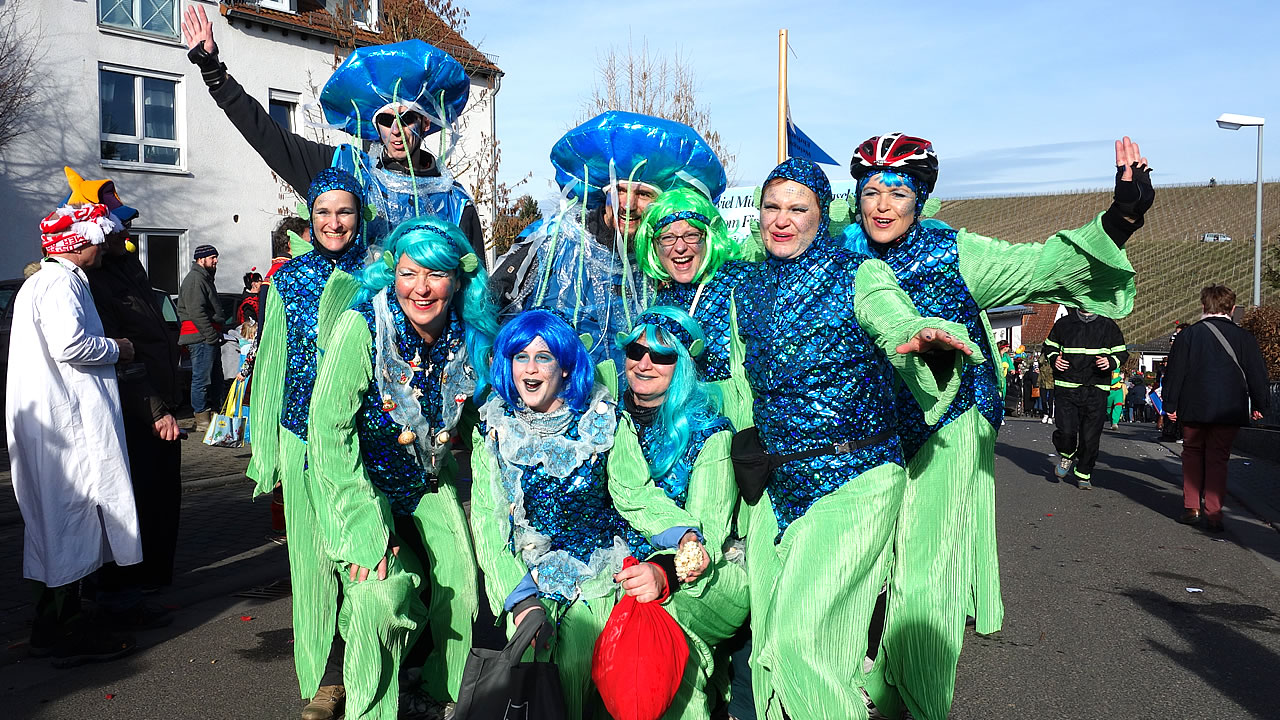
pixel 1132 199
pixel 212 70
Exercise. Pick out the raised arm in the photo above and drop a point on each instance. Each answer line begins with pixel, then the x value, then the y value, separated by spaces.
pixel 292 157
pixel 1085 267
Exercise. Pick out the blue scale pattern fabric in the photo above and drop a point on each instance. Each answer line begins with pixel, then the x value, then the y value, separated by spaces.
pixel 817 377
pixel 300 283
pixel 675 483
pixel 393 468
pixel 576 511
pixel 712 314
pixel 927 265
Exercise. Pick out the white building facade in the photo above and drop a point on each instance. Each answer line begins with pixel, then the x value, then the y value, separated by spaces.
pixel 117 98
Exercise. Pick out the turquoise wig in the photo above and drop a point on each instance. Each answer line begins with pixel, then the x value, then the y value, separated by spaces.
pixel 855 237
pixel 694 208
pixel 690 405
pixel 439 245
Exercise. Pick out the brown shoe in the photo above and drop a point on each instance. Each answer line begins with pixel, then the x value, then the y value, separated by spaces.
pixel 1190 517
pixel 202 420
pixel 1214 525
pixel 327 703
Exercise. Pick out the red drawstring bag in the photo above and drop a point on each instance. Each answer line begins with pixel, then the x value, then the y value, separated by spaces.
pixel 639 659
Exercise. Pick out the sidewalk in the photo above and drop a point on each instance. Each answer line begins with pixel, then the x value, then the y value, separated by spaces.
pixel 222 541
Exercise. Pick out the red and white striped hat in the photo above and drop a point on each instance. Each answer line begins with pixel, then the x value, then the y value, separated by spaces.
pixel 71 227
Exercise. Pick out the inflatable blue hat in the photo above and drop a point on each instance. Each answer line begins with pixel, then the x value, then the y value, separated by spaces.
pixel 663 153
pixel 411 74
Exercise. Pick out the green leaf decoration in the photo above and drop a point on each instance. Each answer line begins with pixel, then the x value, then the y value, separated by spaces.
pixel 587 342
pixel 389 261
pixel 931 207
pixel 298 246
pixel 622 337
pixel 304 212
pixel 370 212
pixel 469 262
pixel 695 349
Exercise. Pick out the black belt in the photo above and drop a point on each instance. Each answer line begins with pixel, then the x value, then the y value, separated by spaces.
pixel 752 465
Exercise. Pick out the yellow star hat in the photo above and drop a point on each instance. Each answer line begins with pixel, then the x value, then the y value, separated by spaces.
pixel 97 191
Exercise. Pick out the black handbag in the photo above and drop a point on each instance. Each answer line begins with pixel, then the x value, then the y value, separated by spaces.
pixel 497 686
pixel 752 464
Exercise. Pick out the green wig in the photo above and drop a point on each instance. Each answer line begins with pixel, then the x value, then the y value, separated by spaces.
pixel 694 208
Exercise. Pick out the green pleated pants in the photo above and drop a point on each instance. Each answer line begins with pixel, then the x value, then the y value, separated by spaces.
pixel 945 570
pixel 812 597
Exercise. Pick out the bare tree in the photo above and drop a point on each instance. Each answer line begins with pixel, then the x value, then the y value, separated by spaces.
pixel 635 80
pixel 18 58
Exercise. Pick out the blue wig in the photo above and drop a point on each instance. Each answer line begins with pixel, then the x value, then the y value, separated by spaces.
pixel 563 343
pixel 440 245
pixel 855 238
pixel 690 405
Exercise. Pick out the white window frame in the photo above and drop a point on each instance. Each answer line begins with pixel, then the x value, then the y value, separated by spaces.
pixel 144 246
pixel 179 121
pixel 289 6
pixel 375 6
pixel 293 98
pixel 137 29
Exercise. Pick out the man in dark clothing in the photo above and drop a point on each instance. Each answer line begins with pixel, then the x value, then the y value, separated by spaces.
pixel 149 397
pixel 298 160
pixel 1216 382
pixel 1083 348
pixel 200 315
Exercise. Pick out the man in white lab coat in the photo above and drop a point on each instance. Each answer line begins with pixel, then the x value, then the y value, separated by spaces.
pixel 66 437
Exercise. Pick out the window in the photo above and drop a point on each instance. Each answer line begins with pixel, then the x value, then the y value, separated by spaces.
pixel 139 118
pixel 158 17
pixel 364 13
pixel 283 107
pixel 283 5
pixel 159 252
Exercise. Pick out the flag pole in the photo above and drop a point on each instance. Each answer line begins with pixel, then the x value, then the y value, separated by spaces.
pixel 782 95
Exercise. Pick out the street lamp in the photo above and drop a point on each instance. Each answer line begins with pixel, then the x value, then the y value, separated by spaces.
pixel 1231 121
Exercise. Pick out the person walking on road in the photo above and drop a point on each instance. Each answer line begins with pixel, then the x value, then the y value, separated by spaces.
pixel 1217 382
pixel 66 438
pixel 1046 389
pixel 1084 348
pixel 201 332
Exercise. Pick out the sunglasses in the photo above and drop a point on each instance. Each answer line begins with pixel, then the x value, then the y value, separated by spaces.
pixel 636 352
pixel 386 120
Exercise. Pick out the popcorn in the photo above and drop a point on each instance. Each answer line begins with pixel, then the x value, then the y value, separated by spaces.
pixel 688 560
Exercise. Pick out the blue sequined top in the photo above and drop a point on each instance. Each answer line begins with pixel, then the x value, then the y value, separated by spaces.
pixel 817 376
pixel 712 314
pixel 300 282
pixel 395 469
pixel 927 265
pixel 576 511
pixel 675 483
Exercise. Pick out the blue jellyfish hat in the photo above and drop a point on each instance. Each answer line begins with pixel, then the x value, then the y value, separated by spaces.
pixel 663 153
pixel 412 73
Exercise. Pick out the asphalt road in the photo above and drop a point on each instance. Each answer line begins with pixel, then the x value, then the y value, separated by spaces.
pixel 1099 621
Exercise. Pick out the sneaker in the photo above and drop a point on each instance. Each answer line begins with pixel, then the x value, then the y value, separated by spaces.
pixel 90 645
pixel 1084 484
pixel 416 705
pixel 1114 426
pixel 1044 419
pixel 1064 467
pixel 327 703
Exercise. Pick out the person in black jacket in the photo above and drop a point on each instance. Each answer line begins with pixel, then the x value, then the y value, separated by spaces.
pixel 1215 371
pixel 1084 348
pixel 298 160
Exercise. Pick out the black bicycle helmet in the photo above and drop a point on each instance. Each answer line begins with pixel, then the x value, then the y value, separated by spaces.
pixel 899 153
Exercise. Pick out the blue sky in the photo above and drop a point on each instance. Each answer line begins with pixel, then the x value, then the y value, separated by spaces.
pixel 1016 96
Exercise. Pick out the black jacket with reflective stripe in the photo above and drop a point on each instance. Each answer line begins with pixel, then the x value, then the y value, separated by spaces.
pixel 1082 343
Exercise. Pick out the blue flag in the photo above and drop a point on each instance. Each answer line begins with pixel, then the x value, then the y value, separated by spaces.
pixel 800 146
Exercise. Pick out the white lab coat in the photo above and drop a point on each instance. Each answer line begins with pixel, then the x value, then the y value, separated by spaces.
pixel 66 434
